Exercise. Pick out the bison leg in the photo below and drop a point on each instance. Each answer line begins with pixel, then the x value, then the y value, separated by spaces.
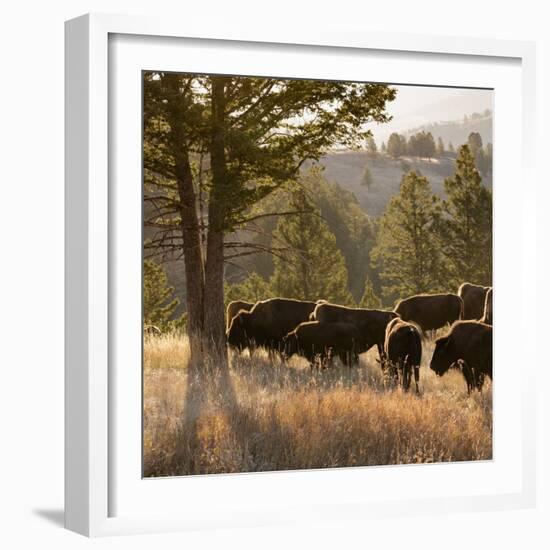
pixel 468 374
pixel 350 358
pixel 479 380
pixel 417 377
pixel 345 358
pixel 407 374
pixel 381 353
pixel 398 372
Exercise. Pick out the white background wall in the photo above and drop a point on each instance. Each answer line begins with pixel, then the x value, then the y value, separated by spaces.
pixel 31 268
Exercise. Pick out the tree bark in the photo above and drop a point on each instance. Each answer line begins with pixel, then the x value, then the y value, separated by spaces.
pixel 193 257
pixel 214 323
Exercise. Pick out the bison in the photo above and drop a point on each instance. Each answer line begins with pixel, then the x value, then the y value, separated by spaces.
pixel 234 307
pixel 267 323
pixel 468 346
pixel 473 297
pixel 371 323
pixel 431 311
pixel 403 351
pixel 323 341
pixel 488 310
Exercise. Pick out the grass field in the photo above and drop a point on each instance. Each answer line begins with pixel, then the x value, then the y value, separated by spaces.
pixel 273 416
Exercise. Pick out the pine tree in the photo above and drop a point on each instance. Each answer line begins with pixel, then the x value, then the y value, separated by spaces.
pixel 253 289
pixel 440 151
pixel 397 145
pixel 159 303
pixel 367 177
pixel 214 146
pixel 451 147
pixel 428 145
pixel 408 244
pixel 383 147
pixel 475 143
pixel 369 299
pixel 372 149
pixel 313 267
pixel 468 223
pixel 348 221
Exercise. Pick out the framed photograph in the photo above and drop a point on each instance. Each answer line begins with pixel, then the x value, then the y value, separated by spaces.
pixel 281 256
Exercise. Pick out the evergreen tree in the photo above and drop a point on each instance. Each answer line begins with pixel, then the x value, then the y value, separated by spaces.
pixel 397 145
pixel 159 303
pixel 383 147
pixel 475 143
pixel 313 267
pixel 412 145
pixel 341 210
pixel 253 289
pixel 451 147
pixel 440 151
pixel 348 221
pixel 421 144
pixel 372 149
pixel 370 300
pixel 367 177
pixel 408 244
pixel 216 145
pixel 428 145
pixel 468 223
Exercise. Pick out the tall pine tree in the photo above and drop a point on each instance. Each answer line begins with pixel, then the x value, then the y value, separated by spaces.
pixel 440 150
pixel 313 267
pixel 159 303
pixel 370 300
pixel 408 244
pixel 468 223
pixel 216 145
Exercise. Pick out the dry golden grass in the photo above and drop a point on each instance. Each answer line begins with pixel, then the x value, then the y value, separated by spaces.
pixel 272 416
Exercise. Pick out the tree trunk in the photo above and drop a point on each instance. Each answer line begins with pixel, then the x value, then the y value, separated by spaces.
pixel 214 324
pixel 193 257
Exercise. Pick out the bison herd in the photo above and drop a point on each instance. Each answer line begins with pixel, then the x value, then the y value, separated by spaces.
pixel 320 331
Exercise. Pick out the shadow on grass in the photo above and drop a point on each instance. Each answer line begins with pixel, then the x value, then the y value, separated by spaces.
pixel 210 387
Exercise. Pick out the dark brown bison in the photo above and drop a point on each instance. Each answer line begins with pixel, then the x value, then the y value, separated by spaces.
pixel 234 307
pixel 468 346
pixel 267 323
pixel 371 323
pixel 321 342
pixel 430 311
pixel 403 351
pixel 488 310
pixel 473 297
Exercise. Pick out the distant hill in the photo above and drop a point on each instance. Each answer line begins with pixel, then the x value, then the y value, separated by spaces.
pixel 347 168
pixel 457 131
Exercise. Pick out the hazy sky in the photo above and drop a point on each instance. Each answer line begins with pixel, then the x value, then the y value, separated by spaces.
pixel 417 105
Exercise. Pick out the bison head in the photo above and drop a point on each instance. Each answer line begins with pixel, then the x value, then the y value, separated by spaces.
pixel 237 333
pixel 290 345
pixel 443 357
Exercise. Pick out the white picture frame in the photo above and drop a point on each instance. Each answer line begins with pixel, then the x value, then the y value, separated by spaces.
pixel 100 400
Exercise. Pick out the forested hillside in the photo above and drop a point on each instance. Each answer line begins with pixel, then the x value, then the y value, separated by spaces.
pixel 348 168
pixel 336 188
pixel 457 131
